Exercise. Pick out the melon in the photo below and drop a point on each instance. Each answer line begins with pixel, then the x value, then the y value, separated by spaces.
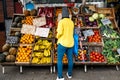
pixel 10 58
pixel 33 12
pixel 5 47
pixel 26 12
pixel 12 51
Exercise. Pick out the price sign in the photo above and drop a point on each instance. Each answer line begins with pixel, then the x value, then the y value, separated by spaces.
pixel 42 32
pixel 41 21
pixel 88 33
pixel 118 50
pixel 28 29
pixel 105 21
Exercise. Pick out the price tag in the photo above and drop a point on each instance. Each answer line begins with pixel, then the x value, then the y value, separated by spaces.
pixel 88 33
pixel 41 21
pixel 105 21
pixel 118 50
pixel 28 29
pixel 42 32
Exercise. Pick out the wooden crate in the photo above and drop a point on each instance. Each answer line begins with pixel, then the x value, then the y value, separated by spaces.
pixel 109 12
pixel 114 23
pixel 90 9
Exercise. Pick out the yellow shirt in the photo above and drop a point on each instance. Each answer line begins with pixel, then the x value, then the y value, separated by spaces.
pixel 65 32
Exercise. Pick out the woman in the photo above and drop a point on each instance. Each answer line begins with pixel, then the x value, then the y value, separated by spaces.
pixel 65 43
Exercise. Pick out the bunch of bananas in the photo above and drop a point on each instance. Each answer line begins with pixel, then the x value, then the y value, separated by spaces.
pixel 38 58
pixel 46 52
pixel 42 44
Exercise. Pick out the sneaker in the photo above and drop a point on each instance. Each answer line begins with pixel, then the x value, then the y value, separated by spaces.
pixel 60 78
pixel 69 76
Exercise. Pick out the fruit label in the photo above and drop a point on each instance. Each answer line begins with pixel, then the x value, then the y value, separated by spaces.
pixel 105 21
pixel 42 32
pixel 88 33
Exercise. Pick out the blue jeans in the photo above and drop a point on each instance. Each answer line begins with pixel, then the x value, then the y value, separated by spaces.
pixel 60 53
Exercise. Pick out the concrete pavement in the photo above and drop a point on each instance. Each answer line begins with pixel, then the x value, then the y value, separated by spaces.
pixel 43 73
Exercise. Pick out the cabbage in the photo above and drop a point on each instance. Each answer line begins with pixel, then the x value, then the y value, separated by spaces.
pixel 101 15
pixel 91 19
pixel 95 15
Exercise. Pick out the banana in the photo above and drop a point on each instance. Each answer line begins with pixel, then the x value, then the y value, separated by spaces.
pixel 36 47
pixel 35 60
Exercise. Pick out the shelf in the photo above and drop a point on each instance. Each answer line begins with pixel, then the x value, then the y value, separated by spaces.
pixel 8 64
pixel 49 64
pixel 92 43
pixel 89 27
pixel 89 62
pixel 15 29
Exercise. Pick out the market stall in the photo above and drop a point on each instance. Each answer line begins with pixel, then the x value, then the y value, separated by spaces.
pixel 32 41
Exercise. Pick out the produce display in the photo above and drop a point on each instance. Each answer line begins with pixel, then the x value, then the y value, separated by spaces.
pixel 28 20
pixel 40 50
pixel 96 57
pixel 9 53
pixel 90 22
pixel 96 37
pixel 110 50
pixel 27 39
pixel 65 60
pixel 82 55
pixel 17 21
pixel 24 53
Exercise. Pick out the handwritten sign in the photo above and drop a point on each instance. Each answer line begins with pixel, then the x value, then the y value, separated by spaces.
pixel 41 21
pixel 105 21
pixel 42 32
pixel 28 29
pixel 88 33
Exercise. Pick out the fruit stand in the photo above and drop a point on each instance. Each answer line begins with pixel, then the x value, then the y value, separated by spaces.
pixel 32 41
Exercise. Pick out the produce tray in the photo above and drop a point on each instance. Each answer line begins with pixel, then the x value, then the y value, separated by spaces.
pixel 97 52
pixel 17 20
pixel 24 54
pixel 79 21
pixel 109 12
pixel 15 32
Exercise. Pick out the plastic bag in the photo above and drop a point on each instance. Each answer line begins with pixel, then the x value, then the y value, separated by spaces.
pixel 75 47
